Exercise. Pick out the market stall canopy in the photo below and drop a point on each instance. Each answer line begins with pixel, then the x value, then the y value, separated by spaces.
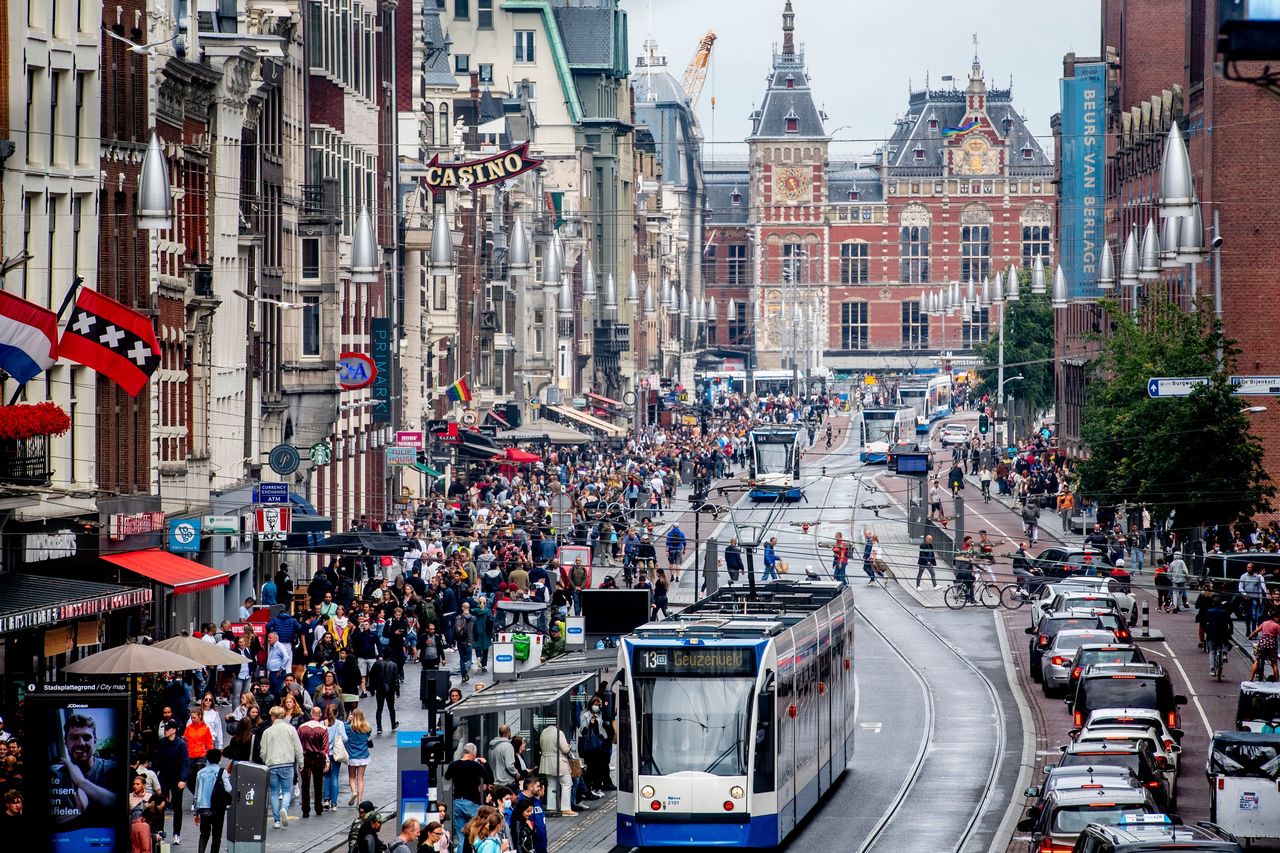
pixel 590 421
pixel 185 576
pixel 360 542
pixel 209 654
pixel 544 430
pixel 522 457
pixel 130 659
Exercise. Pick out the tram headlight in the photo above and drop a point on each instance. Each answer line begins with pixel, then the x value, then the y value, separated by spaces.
pixel 736 792
pixel 647 792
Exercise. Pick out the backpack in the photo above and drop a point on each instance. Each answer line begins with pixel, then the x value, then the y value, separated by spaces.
pixel 220 798
pixel 463 629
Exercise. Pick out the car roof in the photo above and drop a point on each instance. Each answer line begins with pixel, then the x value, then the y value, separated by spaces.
pixel 1112 646
pixel 1084 796
pixel 1070 634
pixel 1137 834
pixel 1129 670
pixel 1127 712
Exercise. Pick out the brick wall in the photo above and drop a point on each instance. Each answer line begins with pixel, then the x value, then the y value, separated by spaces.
pixel 326 103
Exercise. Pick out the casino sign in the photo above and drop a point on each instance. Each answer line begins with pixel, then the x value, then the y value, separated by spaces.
pixel 478 173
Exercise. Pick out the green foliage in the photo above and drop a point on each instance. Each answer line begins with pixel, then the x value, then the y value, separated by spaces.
pixel 1190 458
pixel 1028 349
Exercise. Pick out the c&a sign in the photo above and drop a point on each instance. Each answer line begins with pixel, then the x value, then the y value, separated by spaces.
pixel 478 173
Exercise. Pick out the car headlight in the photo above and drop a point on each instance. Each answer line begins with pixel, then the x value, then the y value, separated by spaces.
pixel 647 792
pixel 736 792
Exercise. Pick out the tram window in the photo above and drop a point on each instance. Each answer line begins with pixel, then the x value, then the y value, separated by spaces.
pixel 698 725
pixel 771 458
pixel 625 780
pixel 765 749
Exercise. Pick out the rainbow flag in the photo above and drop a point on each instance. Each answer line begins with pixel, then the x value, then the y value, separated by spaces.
pixel 459 392
pixel 967 127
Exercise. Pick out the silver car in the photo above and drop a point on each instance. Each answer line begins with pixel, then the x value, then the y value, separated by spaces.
pixel 1055 663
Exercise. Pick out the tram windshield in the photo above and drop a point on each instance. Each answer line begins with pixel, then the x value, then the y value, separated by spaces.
pixel 698 725
pixel 771 457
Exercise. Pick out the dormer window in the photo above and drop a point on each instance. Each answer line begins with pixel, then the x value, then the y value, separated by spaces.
pixel 1007 124
pixel 735 197
pixel 854 195
pixel 791 81
pixel 919 154
pixel 933 122
pixel 792 121
pixel 1027 153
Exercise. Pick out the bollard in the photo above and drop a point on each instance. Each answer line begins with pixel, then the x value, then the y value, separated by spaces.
pixel 1145 633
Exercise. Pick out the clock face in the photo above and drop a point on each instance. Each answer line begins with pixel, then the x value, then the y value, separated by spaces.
pixel 791 184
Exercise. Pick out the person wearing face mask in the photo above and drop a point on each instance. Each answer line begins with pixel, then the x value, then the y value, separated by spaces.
pixel 593 746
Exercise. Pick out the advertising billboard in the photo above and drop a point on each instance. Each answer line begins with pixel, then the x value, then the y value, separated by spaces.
pixel 80 802
pixel 1084 159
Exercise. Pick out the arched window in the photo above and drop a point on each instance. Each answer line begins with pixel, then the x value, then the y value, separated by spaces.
pixel 914 244
pixel 429 123
pixel 975 242
pixel 1036 221
pixel 443 137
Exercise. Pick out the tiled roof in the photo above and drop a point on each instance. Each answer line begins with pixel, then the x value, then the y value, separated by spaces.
pixel 782 103
pixel 721 185
pixel 587 34
pixel 929 112
pixel 437 71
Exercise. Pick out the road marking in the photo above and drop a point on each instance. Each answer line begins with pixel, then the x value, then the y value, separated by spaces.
pixel 1191 691
pixel 871 727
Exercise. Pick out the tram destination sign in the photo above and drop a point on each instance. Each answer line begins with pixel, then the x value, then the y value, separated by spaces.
pixel 695 660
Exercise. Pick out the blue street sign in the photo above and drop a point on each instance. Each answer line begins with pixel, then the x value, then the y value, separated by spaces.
pixel 272 493
pixel 1173 386
pixel 1256 386
pixel 184 536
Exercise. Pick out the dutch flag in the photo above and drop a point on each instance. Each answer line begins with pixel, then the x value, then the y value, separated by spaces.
pixel 28 338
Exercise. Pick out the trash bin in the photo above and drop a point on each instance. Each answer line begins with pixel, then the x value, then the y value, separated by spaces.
pixel 247 817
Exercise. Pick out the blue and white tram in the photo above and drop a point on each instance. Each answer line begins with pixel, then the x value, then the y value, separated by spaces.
pixel 774 463
pixel 735 719
pixel 882 429
pixel 914 397
pixel 938 398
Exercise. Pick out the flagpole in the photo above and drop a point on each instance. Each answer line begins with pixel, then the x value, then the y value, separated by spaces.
pixel 66 303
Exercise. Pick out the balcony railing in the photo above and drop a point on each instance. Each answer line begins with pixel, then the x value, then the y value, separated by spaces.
pixel 25 461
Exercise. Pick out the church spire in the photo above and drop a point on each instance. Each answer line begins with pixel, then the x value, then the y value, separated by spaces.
pixel 976 91
pixel 788 30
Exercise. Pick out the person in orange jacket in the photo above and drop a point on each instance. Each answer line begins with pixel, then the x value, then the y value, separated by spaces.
pixel 199 738
pixel 1066 507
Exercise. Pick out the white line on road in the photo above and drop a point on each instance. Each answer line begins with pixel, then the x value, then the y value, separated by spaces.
pixel 1191 692
pixel 871 727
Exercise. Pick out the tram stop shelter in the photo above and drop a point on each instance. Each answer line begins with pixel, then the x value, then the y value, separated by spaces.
pixel 553 695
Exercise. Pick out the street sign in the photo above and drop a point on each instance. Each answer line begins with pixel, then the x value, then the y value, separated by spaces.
pixel 409 439
pixel 1173 386
pixel 284 459
pixel 272 493
pixel 273 523
pixel 184 535
pixel 1256 386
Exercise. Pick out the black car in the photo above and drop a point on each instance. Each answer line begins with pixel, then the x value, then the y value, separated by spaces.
pixel 1136 756
pixel 1141 833
pixel 1133 685
pixel 1112 653
pixel 1058 562
pixel 1042 637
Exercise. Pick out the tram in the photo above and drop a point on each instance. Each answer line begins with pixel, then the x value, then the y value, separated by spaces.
pixel 914 397
pixel 882 429
pixel 736 718
pixel 774 463
pixel 938 398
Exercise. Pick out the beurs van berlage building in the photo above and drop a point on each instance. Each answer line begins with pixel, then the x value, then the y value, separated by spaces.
pixel 960 189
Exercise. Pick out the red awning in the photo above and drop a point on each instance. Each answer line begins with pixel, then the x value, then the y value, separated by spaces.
pixel 185 576
pixel 600 399
pixel 515 454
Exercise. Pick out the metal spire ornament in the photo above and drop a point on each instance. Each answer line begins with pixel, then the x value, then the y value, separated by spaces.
pixel 155 201
pixel 633 290
pixel 1107 268
pixel 551 267
pixel 1191 237
pixel 1037 275
pixel 566 298
pixel 1059 288
pixel 1129 260
pixel 610 293
pixel 1177 195
pixel 1149 259
pixel 518 256
pixel 364 246
pixel 650 307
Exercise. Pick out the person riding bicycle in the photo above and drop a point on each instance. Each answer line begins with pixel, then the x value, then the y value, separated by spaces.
pixel 1024 570
pixel 984 479
pixel 966 562
pixel 1217 633
pixel 828 436
pixel 955 478
pixel 986 554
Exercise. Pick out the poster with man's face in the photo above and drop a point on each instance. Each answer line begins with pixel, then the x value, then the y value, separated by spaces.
pixel 82 798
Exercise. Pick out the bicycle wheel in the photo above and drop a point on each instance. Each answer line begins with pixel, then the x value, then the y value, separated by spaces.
pixel 954 596
pixel 989 595
pixel 1012 597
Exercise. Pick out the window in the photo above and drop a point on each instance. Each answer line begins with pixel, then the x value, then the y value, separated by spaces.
pixel 524 46
pixel 738 324
pixel 853 325
pixel 791 82
pixel 790 267
pixel 428 123
pixel 440 293
pixel 933 123
pixel 735 198
pixel 31 111
pixel 738 263
pixel 527 89
pixel 709 264
pixel 854 263
pixel 486 72
pixel 539 330
pixel 462 9
pixel 915 254
pixel 977 327
pixel 311 257
pixel 484 14
pixel 445 134
pixel 80 124
pixel 461 63
pixel 854 195
pixel 975 250
pixel 919 154
pixel 1035 243
pixel 793 123
pixel 55 89
pixel 311 325
pixel 1027 153
pixel 915 326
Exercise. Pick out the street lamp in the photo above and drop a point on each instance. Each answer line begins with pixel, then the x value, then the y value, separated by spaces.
pixel 1177 196
pixel 1037 275
pixel 155 202
pixel 364 245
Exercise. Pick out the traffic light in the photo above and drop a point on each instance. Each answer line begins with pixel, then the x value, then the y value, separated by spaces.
pixel 984 423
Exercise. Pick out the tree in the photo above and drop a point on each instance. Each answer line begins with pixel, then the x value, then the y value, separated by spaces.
pixel 1192 459
pixel 1028 350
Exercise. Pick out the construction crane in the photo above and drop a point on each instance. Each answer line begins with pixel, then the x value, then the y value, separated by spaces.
pixel 696 74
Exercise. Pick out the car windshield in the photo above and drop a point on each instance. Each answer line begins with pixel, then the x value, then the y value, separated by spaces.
pixel 1123 692
pixel 696 725
pixel 1111 759
pixel 1074 819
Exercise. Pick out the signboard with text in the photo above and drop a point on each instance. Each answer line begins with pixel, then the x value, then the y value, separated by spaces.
pixel 409 439
pixel 502 166
pixel 401 455
pixel 380 344
pixel 1083 164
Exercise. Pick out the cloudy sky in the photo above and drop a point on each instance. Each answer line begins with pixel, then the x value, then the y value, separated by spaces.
pixel 863 54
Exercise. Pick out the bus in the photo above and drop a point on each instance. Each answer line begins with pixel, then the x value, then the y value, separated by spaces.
pixel 914 397
pixel 881 429
pixel 938 398
pixel 773 459
pixel 736 718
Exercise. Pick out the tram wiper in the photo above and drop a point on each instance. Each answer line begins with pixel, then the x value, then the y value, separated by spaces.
pixel 729 750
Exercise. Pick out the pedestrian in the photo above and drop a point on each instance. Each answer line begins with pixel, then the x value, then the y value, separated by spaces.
pixel 469 776
pixel 213 798
pixel 1031 519
pixel 384 682
pixel 660 599
pixel 338 755
pixel 927 561
pixel 1252 590
pixel 733 560
pixel 1266 637
pixel 314 736
pixel 554 750
pixel 464 627
pixel 358 735
pixel 1178 577
pixel 407 840
pixel 936 495
pixel 1066 508
pixel 523 831
pixel 839 558
pixel 482 639
pixel 367 840
pixel 1164 587
pixel 502 758
pixel 675 551
pixel 282 753
pixel 878 563
pixel 531 791
pixel 593 746
pixel 173 767
pixel 770 559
